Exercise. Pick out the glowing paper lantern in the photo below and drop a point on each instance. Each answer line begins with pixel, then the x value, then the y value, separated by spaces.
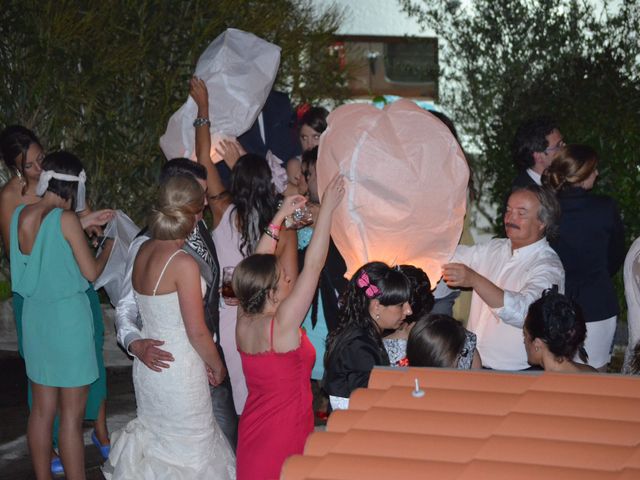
pixel 239 69
pixel 406 179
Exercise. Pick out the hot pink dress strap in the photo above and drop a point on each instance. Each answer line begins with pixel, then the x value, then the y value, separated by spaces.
pixel 271 335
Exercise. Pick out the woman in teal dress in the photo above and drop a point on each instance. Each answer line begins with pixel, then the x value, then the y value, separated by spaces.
pixel 22 153
pixel 51 266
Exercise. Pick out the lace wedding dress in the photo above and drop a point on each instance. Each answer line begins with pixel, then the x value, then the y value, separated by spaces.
pixel 175 435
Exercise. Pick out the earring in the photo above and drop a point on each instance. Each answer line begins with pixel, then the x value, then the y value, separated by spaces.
pixel 20 176
pixel 377 317
pixel 537 349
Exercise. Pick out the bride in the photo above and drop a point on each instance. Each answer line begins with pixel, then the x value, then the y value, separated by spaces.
pixel 174 435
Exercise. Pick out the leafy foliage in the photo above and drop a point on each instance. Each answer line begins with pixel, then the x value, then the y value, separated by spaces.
pixel 504 61
pixel 102 78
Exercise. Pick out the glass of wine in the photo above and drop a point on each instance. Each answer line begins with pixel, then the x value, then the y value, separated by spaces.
pixel 227 286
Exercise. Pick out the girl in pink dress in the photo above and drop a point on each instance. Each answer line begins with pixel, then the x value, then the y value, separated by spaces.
pixel 277 357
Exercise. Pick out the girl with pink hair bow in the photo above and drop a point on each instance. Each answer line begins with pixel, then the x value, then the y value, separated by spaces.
pixel 376 299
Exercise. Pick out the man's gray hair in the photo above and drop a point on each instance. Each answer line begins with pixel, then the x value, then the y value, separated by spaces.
pixel 549 212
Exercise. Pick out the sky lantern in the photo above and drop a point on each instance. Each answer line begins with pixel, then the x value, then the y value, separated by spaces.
pixel 406 185
pixel 239 69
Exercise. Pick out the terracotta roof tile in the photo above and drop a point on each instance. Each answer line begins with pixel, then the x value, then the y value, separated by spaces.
pixel 479 424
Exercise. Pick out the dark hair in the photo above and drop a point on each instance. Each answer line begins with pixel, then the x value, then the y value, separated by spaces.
pixel 67 163
pixel 253 279
pixel 558 322
pixel 549 211
pixel 15 140
pixel 422 300
pixel 530 138
pixel 182 166
pixel 310 157
pixel 435 341
pixel 394 288
pixel 573 165
pixel 254 198
pixel 316 118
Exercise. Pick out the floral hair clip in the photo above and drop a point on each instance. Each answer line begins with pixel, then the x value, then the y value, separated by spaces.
pixel 370 290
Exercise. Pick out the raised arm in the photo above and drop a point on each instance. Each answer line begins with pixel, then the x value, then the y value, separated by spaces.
pixel 269 239
pixel 90 267
pixel 218 197
pixel 293 309
pixel 190 299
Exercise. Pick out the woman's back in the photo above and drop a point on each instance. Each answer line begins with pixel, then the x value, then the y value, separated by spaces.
pixel 591 246
pixel 57 326
pixel 280 400
pixel 43 265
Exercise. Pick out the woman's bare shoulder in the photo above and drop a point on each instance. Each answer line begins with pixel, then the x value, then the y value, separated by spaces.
pixel 11 194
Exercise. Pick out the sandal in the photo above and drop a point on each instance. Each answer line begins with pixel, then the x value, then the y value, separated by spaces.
pixel 56 466
pixel 104 449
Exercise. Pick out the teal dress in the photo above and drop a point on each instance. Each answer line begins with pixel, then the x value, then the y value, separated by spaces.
pixel 317 334
pixel 57 326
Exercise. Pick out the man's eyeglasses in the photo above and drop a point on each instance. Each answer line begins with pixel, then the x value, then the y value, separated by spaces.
pixel 559 145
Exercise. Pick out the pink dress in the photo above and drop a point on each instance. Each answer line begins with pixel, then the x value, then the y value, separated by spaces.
pixel 226 238
pixel 278 416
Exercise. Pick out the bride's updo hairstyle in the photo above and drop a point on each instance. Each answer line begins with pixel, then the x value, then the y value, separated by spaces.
pixel 253 279
pixel 573 165
pixel 173 216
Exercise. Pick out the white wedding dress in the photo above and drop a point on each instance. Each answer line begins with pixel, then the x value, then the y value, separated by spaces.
pixel 175 435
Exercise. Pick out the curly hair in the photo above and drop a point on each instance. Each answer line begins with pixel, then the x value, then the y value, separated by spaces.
pixel 254 197
pixel 394 288
pixel 422 299
pixel 559 323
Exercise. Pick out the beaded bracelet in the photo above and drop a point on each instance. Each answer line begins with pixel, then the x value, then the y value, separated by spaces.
pixel 201 121
pixel 275 227
pixel 271 234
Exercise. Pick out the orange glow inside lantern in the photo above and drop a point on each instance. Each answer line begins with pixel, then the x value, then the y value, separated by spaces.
pixel 406 180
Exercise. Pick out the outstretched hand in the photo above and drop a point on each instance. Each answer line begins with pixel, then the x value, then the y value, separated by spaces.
pixel 290 204
pixel 230 151
pixel 199 93
pixel 458 275
pixel 94 220
pixel 333 193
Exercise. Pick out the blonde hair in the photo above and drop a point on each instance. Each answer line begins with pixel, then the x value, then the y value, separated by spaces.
pixel 178 202
pixel 573 165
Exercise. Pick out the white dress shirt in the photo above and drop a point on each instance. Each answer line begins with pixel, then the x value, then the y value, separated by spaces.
pixel 128 323
pixel 535 176
pixel 523 275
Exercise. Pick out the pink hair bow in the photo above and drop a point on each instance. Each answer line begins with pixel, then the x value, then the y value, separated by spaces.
pixel 370 290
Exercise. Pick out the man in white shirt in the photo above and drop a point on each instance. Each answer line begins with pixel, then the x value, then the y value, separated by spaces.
pixel 508 274
pixel 537 142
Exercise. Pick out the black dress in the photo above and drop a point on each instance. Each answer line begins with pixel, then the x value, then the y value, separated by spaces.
pixel 349 365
